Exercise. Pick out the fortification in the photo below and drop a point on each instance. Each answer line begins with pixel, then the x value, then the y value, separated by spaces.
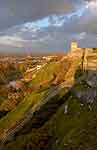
pixel 74 46
pixel 75 51
pixel 84 53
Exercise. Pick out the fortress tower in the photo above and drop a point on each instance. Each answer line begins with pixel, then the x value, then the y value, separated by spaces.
pixel 75 51
pixel 74 46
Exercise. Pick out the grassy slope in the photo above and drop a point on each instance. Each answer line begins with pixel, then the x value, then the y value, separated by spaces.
pixel 75 130
pixel 18 113
pixel 68 126
pixel 45 74
pixel 67 130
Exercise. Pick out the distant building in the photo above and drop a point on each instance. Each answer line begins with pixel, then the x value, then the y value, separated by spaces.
pixel 39 67
pixel 48 58
pixel 29 57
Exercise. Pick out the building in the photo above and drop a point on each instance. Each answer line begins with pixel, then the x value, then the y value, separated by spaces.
pixel 39 67
pixel 49 58
pixel 75 51
pixel 74 46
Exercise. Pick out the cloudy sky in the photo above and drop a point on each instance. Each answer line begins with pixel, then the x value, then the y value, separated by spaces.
pixel 47 25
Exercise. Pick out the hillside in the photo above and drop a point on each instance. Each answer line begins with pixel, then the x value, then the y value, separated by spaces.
pixel 61 130
pixel 11 121
pixel 60 112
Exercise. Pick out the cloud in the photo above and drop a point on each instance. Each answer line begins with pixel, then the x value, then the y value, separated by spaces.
pixel 47 24
pixel 19 11
pixel 12 41
pixel 80 36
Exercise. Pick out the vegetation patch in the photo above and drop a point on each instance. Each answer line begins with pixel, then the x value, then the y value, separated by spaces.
pixel 18 113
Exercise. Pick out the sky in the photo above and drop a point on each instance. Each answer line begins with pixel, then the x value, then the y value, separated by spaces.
pixel 47 25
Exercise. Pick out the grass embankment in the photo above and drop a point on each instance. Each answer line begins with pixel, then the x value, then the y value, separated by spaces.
pixel 51 71
pixel 66 126
pixel 59 125
pixel 35 132
pixel 46 73
pixel 18 113
pixel 62 131
pixel 75 130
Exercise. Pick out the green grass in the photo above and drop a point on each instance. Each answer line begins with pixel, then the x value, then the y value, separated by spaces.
pixel 64 125
pixel 75 130
pixel 72 129
pixel 63 128
pixel 35 140
pixel 2 98
pixel 18 113
pixel 45 73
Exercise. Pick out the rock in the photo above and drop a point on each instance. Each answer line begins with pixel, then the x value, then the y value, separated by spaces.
pixel 88 95
pixel 91 78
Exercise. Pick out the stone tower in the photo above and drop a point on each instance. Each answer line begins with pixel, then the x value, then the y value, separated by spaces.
pixel 74 46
